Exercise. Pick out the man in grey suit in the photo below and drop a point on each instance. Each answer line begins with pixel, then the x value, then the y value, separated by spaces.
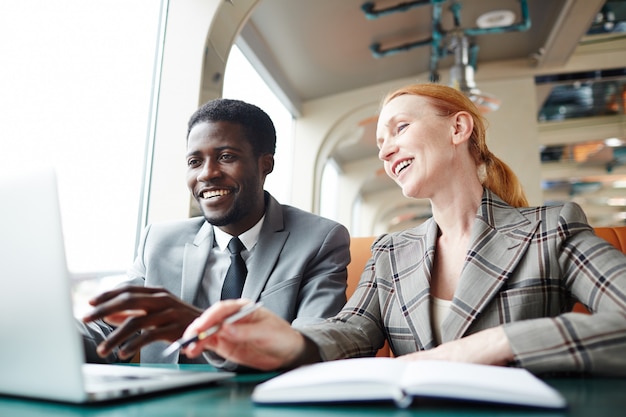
pixel 295 261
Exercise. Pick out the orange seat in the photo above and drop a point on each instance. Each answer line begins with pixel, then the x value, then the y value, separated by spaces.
pixel 360 254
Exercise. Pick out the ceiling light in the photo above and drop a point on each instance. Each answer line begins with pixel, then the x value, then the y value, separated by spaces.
pixel 485 102
pixel 613 142
pixel 462 76
pixel 619 184
pixel 616 202
pixel 495 18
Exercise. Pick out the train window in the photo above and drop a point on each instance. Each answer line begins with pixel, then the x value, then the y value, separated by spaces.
pixel 242 81
pixel 76 86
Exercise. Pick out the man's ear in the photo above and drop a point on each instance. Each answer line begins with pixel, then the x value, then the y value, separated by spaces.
pixel 463 124
pixel 266 163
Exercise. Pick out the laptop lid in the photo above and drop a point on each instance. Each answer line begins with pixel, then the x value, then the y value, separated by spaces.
pixel 41 353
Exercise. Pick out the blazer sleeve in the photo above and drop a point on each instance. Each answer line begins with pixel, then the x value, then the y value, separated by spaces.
pixel 357 330
pixel 593 272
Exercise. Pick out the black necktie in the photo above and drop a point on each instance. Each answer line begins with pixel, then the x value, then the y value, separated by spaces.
pixel 236 275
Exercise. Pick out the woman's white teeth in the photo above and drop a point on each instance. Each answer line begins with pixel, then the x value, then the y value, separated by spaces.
pixel 402 165
pixel 214 193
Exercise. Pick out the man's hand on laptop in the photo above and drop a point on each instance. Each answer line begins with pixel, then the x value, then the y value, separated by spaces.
pixel 141 315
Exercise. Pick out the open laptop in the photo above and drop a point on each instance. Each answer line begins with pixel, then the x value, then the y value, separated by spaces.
pixel 41 351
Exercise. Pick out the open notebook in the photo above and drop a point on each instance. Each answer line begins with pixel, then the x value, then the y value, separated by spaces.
pixel 41 351
pixel 389 379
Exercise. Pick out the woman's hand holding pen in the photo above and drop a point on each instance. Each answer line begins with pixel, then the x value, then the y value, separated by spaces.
pixel 260 340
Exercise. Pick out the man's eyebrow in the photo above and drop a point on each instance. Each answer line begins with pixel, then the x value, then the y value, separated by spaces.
pixel 217 149
pixel 228 147
pixel 192 153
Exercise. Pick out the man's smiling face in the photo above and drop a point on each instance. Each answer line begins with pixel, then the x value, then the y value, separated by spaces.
pixel 224 175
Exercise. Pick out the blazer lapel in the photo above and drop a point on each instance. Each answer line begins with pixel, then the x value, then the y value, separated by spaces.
pixel 194 262
pixel 492 257
pixel 411 262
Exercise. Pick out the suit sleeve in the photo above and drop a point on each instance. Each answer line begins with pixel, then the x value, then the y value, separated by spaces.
pixel 323 290
pixel 593 272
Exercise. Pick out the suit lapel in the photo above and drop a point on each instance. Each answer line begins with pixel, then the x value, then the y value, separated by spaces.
pixel 194 262
pixel 493 254
pixel 271 240
pixel 266 255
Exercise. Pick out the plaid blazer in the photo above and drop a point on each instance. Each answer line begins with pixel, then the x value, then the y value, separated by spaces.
pixel 524 269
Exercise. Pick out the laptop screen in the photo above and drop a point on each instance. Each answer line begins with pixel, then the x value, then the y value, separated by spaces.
pixel 41 353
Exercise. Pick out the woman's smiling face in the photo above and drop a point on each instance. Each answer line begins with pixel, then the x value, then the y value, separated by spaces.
pixel 415 145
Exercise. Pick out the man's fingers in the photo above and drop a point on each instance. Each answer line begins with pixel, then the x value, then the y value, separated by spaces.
pixel 129 302
pixel 127 332
pixel 139 330
pixel 134 344
pixel 116 319
pixel 113 309
pixel 129 289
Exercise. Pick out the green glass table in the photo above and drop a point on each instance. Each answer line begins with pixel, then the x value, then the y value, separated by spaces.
pixel 586 396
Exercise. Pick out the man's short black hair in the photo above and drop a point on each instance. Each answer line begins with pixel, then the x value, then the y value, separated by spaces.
pixel 258 127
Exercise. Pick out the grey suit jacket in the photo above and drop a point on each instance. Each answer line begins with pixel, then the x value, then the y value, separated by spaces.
pixel 298 269
pixel 525 268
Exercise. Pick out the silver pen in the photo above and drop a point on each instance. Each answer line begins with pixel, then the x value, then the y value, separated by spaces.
pixel 183 342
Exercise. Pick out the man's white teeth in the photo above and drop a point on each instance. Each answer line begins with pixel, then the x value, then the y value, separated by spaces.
pixel 215 193
pixel 402 165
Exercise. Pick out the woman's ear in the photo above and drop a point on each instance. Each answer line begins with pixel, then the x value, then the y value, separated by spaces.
pixel 463 124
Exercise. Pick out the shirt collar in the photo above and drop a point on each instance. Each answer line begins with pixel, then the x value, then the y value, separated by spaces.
pixel 248 238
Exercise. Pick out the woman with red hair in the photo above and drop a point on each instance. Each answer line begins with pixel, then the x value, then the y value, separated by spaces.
pixel 486 279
